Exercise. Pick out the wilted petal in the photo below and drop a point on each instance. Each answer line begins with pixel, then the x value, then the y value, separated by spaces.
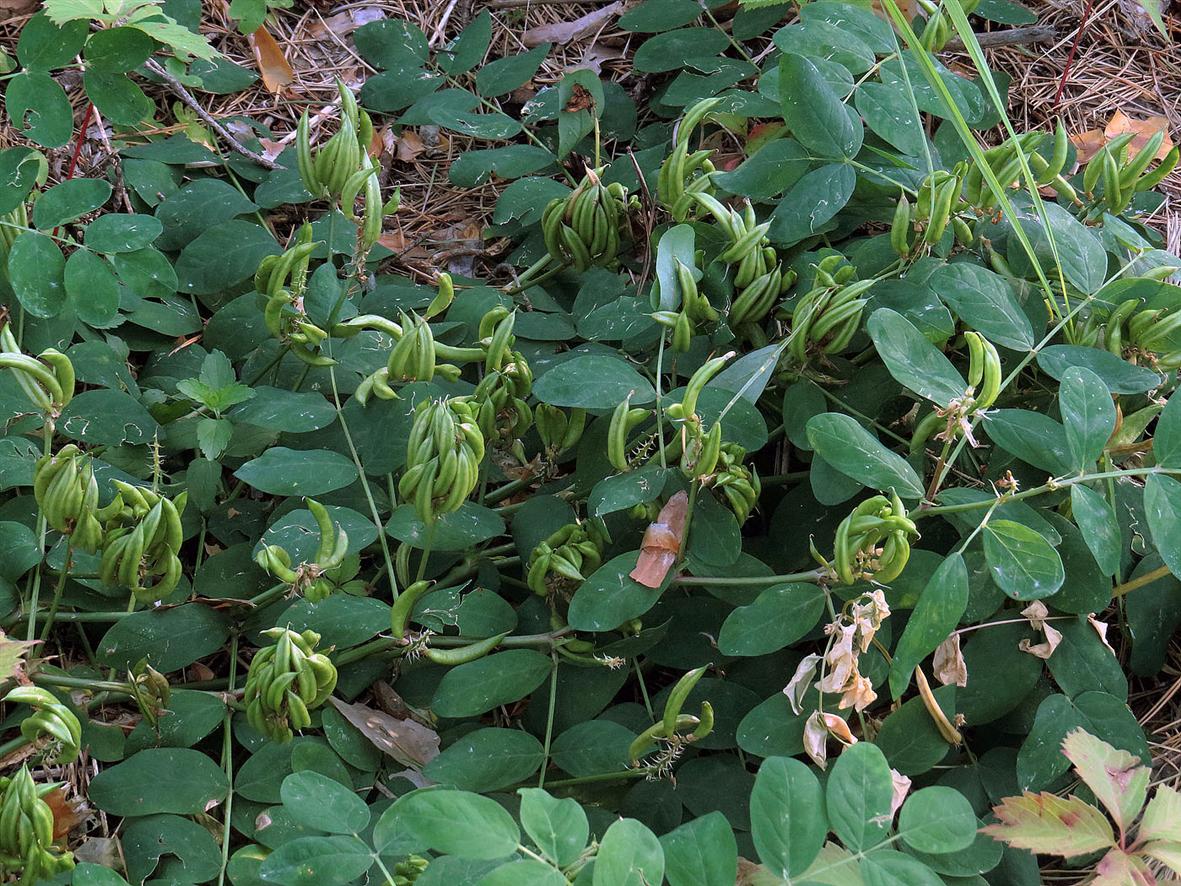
pixel 815 736
pixel 839 729
pixel 948 663
pixel 901 789
pixel 1100 629
pixel 1036 612
pixel 797 687
pixel 859 695
pixel 1045 649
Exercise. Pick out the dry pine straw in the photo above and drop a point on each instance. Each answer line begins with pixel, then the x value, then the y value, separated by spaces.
pixel 1120 64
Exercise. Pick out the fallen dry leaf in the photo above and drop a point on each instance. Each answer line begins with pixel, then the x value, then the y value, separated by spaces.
pixel 409 146
pixel 662 542
pixel 272 63
pixel 1044 649
pixel 1088 144
pixel 65 816
pixel 577 29
pixel 394 241
pixel 1120 124
pixel 344 23
pixel 410 743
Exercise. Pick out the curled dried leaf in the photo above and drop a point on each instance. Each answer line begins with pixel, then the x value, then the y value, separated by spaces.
pixel 662 542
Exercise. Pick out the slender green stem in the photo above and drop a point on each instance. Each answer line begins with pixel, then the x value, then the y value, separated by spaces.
pixel 42 529
pixel 811 575
pixel 1051 486
pixel 63 681
pixel 271 365
pixel 549 720
pixel 503 492
pixel 227 762
pixel 622 775
pixel 58 587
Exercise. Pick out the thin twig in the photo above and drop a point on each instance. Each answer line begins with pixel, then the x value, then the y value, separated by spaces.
pixel 1009 37
pixel 514 4
pixel 188 99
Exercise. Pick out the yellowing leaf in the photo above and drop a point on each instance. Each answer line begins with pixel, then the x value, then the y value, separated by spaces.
pixel 1051 825
pixel 272 64
pixel 1118 779
pixel 11 653
pixel 1162 818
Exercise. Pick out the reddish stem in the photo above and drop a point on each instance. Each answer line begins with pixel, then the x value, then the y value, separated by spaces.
pixel 78 140
pixel 1078 36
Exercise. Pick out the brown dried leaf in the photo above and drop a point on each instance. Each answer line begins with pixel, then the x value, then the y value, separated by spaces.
pixel 1120 124
pixel 410 145
pixel 272 63
pixel 1087 144
pixel 577 29
pixel 395 241
pixel 580 99
pixel 410 743
pixel 662 543
pixel 948 663
pixel 65 816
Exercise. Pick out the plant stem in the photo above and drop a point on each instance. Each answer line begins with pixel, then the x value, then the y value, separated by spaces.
pixel 63 681
pixel 549 720
pixel 227 761
pixel 811 575
pixel 57 592
pixel 1051 486
pixel 1140 581
pixel 42 528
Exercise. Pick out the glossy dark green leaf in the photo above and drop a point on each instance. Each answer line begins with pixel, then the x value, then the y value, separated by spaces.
pixel 767 173
pixel 629 855
pixel 935 616
pixel 1120 376
pixel 1088 415
pixel 593 382
pixel 889 114
pixel 817 117
pixel 701 852
pixel 937 819
pixel 777 618
pixel 487 760
pixel 855 452
pixel 1023 564
pixel 471 689
pixel 39 109
pixel 36 272
pixel 91 287
pixel 283 471
pixel 324 861
pixel 986 302
pixel 169 639
pixel 1032 437
pixel 669 51
pixel 1166 439
pixel 808 207
pixel 913 360
pixel 558 827
pixel 787 815
pixel 68 201
pixel 458 823
pixel 1162 507
pixel 176 780
pixel 609 597
pixel 858 794
pixel 1099 526
pixel 506 74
